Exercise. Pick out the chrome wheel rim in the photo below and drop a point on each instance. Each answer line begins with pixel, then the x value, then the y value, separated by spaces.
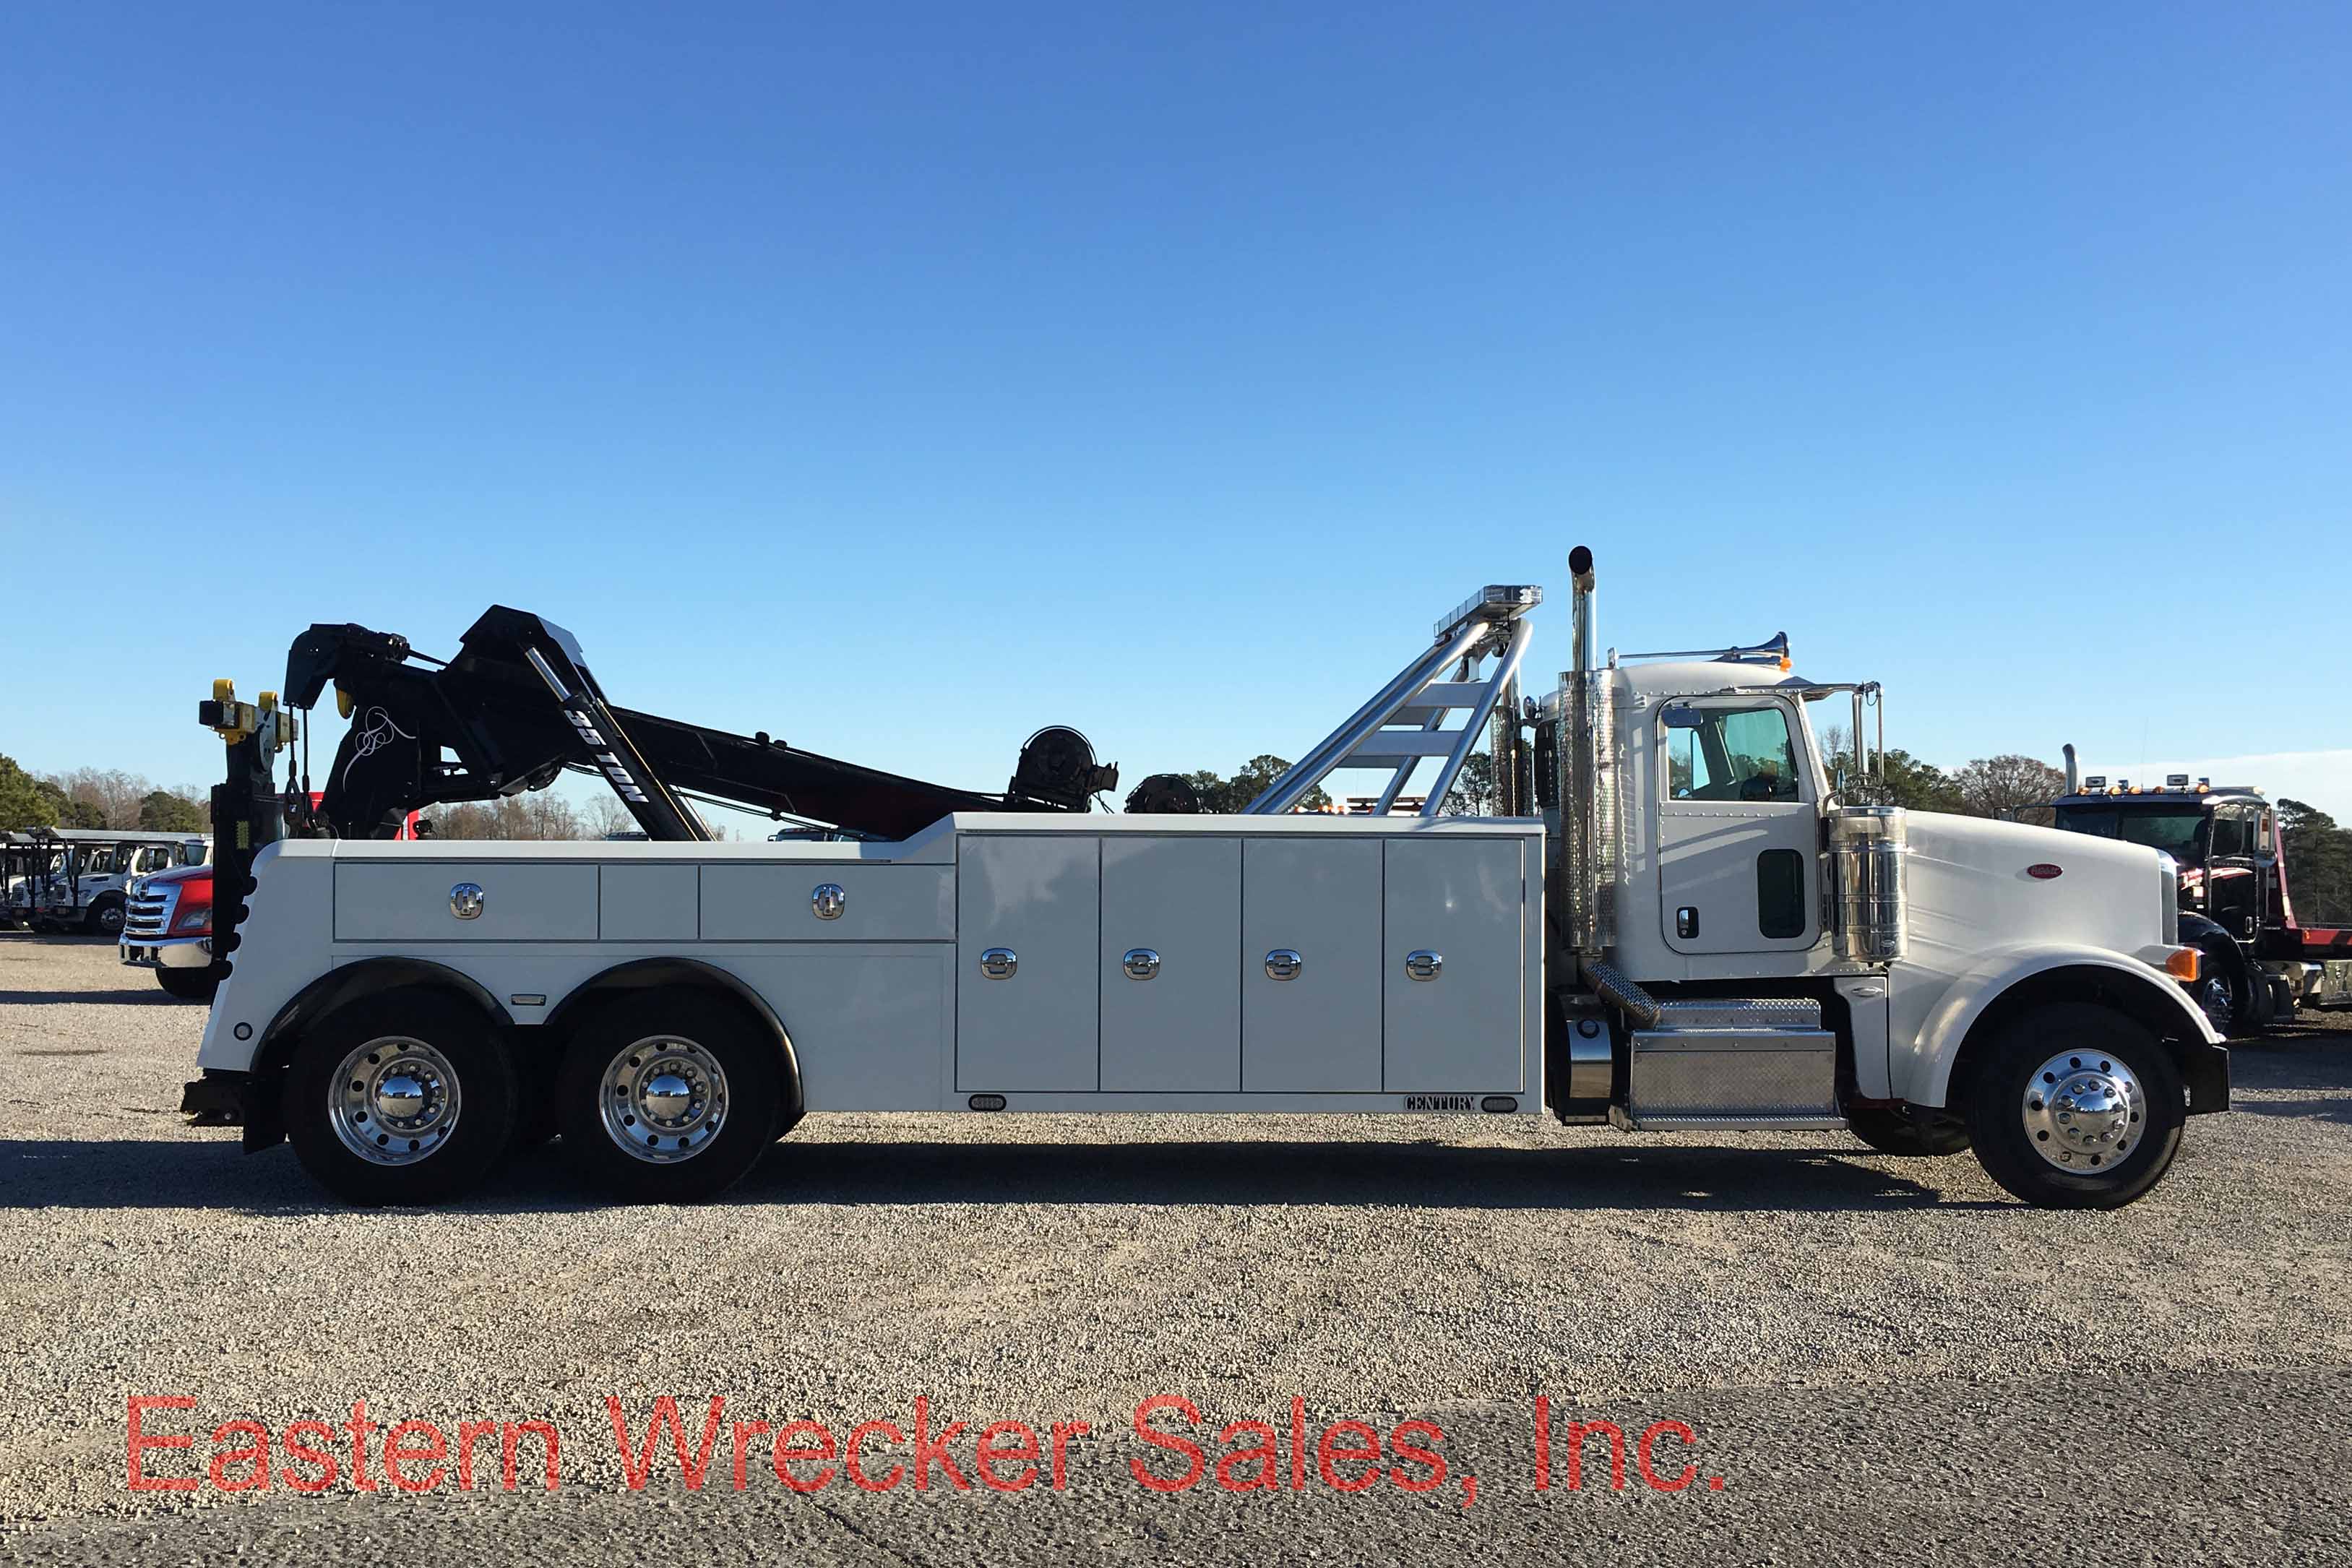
pixel 2213 997
pixel 393 1102
pixel 663 1100
pixel 2084 1111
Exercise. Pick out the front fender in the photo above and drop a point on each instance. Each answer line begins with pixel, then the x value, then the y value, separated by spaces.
pixel 1938 1048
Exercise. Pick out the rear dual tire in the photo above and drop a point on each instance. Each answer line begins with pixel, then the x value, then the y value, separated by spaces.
pixel 1920 1133
pixel 404 1097
pixel 668 1098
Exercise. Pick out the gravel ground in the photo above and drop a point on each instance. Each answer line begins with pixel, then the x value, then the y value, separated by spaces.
pixel 1879 1357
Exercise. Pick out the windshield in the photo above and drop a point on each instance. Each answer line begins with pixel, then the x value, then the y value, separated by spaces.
pixel 2174 832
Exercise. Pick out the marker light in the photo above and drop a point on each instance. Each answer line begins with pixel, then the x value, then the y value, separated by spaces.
pixel 2181 964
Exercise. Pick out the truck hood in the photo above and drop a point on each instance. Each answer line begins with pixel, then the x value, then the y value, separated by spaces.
pixel 176 875
pixel 1971 885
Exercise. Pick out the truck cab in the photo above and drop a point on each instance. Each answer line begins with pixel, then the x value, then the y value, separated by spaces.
pixel 86 885
pixel 2260 963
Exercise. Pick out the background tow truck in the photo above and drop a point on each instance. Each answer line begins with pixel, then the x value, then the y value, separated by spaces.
pixel 2261 963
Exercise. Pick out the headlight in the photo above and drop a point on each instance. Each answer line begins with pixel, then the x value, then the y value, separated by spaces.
pixel 197 919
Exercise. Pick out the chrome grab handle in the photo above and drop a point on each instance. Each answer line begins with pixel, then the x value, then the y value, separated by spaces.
pixel 999 962
pixel 1424 964
pixel 828 901
pixel 1283 963
pixel 466 901
pixel 1140 964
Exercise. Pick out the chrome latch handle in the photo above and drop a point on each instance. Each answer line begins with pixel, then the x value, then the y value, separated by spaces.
pixel 1283 963
pixel 1424 964
pixel 466 901
pixel 999 962
pixel 828 901
pixel 1140 964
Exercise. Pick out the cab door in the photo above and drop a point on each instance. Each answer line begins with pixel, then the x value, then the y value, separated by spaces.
pixel 2233 882
pixel 1738 829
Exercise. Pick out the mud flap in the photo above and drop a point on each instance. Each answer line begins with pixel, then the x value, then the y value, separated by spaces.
pixel 2207 1070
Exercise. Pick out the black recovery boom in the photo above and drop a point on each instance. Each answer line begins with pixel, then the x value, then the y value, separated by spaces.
pixel 517 705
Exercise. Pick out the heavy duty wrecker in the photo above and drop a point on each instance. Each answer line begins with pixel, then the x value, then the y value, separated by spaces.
pixel 1672 924
pixel 2261 962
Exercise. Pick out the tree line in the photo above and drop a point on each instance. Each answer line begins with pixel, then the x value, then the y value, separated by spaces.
pixel 94 797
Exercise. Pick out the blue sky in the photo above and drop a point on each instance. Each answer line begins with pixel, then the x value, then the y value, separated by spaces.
pixel 898 384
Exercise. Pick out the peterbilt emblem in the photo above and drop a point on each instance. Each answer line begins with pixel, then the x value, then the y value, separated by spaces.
pixel 466 901
pixel 2043 872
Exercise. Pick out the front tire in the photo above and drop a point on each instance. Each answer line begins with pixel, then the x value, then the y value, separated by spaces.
pixel 2221 993
pixel 188 984
pixel 1922 1133
pixel 2075 1106
pixel 406 1097
pixel 105 916
pixel 671 1097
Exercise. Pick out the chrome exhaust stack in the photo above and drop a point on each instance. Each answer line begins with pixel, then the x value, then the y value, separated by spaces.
pixel 1588 780
pixel 1580 605
pixel 2074 774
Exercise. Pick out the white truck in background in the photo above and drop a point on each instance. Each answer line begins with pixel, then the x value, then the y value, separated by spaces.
pixel 1674 925
pixel 84 884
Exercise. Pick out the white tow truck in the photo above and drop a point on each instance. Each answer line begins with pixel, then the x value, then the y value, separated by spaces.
pixel 1674 925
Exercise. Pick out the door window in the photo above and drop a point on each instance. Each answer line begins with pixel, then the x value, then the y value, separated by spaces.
pixel 1733 755
pixel 2228 832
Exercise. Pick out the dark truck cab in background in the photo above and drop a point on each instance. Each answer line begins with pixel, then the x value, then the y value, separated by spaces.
pixel 2261 963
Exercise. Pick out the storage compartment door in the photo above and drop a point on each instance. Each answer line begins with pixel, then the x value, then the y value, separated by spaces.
pixel 512 900
pixel 1318 1031
pixel 1172 1020
pixel 1028 920
pixel 1459 902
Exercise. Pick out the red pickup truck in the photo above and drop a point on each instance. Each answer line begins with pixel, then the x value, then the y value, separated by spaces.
pixel 168 927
